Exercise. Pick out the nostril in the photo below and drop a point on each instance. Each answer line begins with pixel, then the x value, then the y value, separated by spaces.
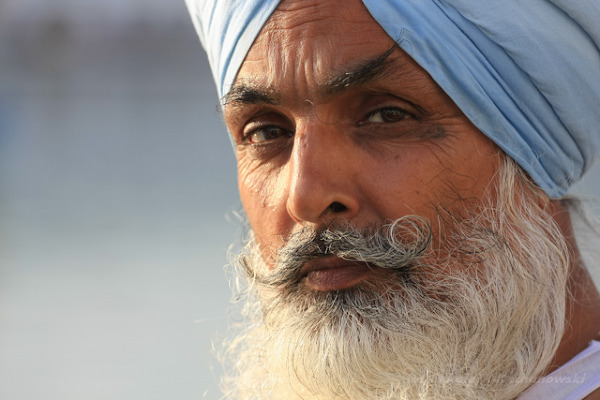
pixel 337 207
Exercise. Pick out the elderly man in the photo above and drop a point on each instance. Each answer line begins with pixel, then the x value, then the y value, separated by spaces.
pixel 403 166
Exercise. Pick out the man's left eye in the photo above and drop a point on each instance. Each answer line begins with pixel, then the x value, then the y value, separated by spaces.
pixel 387 114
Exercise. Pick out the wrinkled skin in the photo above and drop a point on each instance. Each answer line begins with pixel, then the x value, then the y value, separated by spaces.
pixel 320 140
pixel 376 150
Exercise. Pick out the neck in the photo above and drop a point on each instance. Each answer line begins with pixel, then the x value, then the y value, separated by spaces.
pixel 582 324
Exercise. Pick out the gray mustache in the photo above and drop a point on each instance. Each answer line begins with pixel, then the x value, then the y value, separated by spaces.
pixel 396 246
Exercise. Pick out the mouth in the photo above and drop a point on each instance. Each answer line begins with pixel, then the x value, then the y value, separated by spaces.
pixel 333 273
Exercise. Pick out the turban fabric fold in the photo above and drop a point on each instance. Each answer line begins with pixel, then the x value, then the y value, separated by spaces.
pixel 525 72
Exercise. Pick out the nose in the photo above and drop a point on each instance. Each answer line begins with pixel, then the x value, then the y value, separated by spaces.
pixel 322 186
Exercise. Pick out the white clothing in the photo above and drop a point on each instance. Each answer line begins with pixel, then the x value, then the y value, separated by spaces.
pixel 572 381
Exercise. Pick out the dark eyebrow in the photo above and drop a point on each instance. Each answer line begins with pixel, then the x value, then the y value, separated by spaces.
pixel 365 71
pixel 249 94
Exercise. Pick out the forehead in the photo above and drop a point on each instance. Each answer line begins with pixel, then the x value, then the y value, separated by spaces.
pixel 311 41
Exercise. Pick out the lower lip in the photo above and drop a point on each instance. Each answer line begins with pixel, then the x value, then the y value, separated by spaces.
pixel 337 278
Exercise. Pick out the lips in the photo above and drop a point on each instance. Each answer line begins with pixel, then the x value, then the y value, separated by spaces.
pixel 333 273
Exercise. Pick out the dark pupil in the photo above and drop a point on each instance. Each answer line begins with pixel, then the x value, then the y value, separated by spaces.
pixel 391 115
pixel 272 133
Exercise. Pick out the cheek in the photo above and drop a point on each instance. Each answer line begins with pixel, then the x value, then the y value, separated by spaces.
pixel 475 169
pixel 263 193
pixel 405 181
pixel 254 186
pixel 421 178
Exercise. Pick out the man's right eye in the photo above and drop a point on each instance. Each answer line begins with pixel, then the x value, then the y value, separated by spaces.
pixel 264 134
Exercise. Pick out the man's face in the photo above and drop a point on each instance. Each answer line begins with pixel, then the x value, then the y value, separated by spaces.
pixel 446 289
pixel 335 124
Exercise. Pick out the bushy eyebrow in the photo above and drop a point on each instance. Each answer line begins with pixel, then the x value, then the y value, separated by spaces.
pixel 249 94
pixel 363 72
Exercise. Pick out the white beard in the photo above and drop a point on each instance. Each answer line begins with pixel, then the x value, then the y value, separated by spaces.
pixel 481 322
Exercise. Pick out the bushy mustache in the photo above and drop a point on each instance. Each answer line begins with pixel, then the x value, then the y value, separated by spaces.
pixel 397 246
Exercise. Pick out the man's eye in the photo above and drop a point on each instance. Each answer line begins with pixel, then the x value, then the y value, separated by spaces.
pixel 387 114
pixel 267 133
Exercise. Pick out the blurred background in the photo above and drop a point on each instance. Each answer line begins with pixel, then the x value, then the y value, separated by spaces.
pixel 117 202
pixel 117 183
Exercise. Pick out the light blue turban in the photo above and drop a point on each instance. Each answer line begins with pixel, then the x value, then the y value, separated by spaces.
pixel 526 73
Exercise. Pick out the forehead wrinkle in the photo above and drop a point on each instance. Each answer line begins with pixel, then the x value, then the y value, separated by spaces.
pixel 362 72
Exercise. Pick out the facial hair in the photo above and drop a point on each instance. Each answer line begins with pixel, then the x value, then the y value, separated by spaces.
pixel 475 311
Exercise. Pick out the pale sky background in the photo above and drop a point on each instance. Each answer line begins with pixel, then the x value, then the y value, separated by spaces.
pixel 117 189
pixel 117 201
